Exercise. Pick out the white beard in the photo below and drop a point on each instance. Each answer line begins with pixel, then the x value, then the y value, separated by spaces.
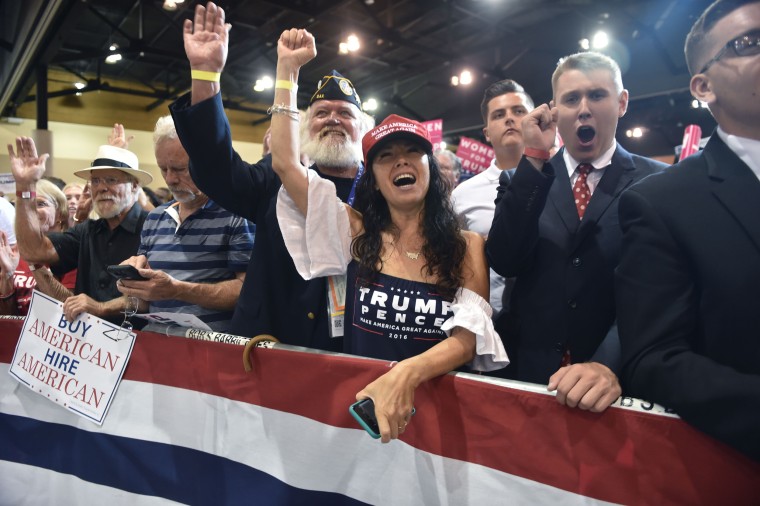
pixel 182 194
pixel 117 207
pixel 333 152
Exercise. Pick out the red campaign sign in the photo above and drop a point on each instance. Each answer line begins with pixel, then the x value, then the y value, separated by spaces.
pixel 691 137
pixel 435 131
pixel 476 156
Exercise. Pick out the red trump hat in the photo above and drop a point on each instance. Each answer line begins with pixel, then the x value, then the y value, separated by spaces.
pixel 394 127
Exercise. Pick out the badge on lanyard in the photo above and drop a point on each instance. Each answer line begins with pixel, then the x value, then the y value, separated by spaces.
pixel 336 303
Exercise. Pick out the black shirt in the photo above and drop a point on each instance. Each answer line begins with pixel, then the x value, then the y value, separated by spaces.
pixel 91 246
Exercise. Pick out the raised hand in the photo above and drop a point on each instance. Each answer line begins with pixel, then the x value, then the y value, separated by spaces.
pixel 26 166
pixel 84 206
pixel 8 256
pixel 295 48
pixel 118 137
pixel 539 127
pixel 207 38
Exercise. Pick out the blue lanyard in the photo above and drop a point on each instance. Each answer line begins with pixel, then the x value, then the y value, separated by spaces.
pixel 352 194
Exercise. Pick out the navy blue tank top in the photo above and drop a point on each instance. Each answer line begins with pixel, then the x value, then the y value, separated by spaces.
pixel 392 318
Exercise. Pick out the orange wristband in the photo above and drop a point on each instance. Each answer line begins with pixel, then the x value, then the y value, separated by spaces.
pixel 537 153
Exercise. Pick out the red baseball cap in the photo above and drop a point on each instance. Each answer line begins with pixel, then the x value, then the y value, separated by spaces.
pixel 394 127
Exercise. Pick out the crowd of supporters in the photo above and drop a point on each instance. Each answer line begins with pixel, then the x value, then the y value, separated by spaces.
pixel 574 263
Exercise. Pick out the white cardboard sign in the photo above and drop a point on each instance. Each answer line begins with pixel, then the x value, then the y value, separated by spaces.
pixel 78 364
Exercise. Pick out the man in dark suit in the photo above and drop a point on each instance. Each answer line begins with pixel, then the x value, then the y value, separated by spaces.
pixel 274 298
pixel 688 283
pixel 556 230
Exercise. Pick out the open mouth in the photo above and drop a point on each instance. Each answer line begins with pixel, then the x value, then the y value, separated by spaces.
pixel 404 180
pixel 332 132
pixel 586 134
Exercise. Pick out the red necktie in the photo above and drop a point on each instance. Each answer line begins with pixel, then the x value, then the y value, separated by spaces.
pixel 581 191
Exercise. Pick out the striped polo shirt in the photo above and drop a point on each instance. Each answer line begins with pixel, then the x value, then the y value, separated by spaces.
pixel 211 245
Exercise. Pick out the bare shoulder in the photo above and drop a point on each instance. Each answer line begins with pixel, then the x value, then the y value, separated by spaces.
pixel 356 220
pixel 474 240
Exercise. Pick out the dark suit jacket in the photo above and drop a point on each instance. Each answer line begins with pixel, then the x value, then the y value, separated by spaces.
pixel 689 294
pixel 563 296
pixel 274 298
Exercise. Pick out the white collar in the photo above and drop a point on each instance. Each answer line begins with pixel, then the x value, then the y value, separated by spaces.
pixel 604 160
pixel 493 171
pixel 748 150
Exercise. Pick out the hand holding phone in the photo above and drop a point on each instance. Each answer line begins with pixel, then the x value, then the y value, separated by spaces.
pixel 125 272
pixel 364 413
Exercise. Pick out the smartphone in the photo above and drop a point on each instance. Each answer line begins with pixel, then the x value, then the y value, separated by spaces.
pixel 125 272
pixel 364 413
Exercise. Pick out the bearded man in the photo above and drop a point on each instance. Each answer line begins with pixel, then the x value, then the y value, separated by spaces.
pixel 90 246
pixel 274 299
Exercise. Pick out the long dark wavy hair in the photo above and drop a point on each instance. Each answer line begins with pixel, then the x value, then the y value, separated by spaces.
pixel 444 247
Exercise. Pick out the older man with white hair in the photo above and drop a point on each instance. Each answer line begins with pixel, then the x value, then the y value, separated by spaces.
pixel 90 247
pixel 275 299
pixel 193 253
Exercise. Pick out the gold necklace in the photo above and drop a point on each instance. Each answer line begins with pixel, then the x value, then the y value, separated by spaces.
pixel 410 254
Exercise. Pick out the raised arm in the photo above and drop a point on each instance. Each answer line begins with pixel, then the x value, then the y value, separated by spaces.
pixel 514 232
pixel 27 169
pixel 206 40
pixel 294 49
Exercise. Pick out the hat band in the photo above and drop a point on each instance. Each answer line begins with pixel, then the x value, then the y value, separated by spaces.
pixel 109 162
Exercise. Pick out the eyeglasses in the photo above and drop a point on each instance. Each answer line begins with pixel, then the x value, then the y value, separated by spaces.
pixel 744 45
pixel 130 309
pixel 108 181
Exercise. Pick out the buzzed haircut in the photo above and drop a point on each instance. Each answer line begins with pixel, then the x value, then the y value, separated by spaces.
pixel 498 89
pixel 588 62
pixel 696 41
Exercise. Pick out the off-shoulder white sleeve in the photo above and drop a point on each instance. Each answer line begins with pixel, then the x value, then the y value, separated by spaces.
pixel 320 242
pixel 473 312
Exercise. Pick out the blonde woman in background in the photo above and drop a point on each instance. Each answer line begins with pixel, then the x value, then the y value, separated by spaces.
pixel 17 277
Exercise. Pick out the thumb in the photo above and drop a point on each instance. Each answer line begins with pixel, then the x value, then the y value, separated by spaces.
pixel 43 159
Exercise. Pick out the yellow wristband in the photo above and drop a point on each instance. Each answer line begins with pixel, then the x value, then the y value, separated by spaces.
pixel 281 84
pixel 203 75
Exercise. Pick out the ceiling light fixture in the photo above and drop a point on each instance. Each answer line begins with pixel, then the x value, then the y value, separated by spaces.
pixel 600 40
pixel 113 58
pixel 464 78
pixel 370 104
pixel 80 85
pixel 350 45
pixel 265 83
pixel 171 5
pixel 635 132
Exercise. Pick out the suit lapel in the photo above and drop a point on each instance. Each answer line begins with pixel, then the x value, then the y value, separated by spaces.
pixel 735 186
pixel 561 195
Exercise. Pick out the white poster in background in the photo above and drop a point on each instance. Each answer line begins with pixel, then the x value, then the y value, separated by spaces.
pixel 7 184
pixel 78 364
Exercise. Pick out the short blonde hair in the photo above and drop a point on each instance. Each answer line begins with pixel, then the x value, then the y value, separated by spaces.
pixel 588 62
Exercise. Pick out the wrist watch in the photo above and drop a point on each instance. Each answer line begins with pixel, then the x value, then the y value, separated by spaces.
pixel 34 267
pixel 26 194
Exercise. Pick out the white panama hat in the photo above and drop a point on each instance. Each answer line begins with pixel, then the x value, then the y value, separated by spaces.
pixel 111 157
